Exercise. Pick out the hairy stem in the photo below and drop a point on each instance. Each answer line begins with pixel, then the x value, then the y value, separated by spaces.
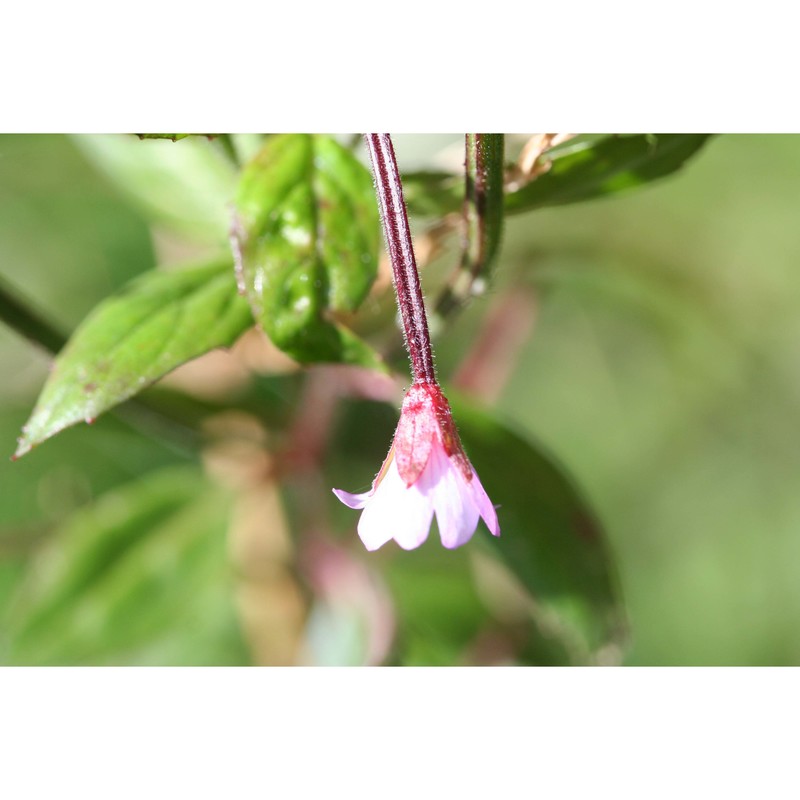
pixel 401 252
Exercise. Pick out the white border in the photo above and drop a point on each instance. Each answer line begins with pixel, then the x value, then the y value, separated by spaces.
pixel 313 66
pixel 398 733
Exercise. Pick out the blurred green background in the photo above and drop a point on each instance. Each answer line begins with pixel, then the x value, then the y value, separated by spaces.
pixel 660 367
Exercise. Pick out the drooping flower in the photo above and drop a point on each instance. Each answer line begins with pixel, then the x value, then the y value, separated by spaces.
pixel 425 473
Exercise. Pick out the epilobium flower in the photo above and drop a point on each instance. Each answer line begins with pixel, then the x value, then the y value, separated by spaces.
pixel 426 472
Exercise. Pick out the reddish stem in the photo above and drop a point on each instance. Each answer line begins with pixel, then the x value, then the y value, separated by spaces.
pixel 401 251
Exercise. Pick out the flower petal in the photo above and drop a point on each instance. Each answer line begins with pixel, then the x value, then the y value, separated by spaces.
pixel 484 504
pixel 353 500
pixel 456 511
pixel 395 511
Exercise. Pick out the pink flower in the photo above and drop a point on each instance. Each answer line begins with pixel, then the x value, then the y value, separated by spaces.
pixel 426 472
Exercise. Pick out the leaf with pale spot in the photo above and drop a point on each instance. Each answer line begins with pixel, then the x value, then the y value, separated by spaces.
pixel 306 235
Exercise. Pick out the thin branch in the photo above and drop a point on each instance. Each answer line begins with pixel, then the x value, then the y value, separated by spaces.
pixel 26 322
pixel 482 219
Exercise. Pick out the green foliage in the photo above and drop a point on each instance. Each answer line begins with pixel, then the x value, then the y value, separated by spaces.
pixel 139 577
pixel 306 235
pixel 605 167
pixel 67 238
pixel 113 550
pixel 551 539
pixel 432 193
pixel 439 609
pixel 163 320
pixel 183 186
pixel 580 170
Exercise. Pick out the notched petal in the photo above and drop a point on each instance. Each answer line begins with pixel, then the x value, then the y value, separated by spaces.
pixel 395 512
pixel 415 529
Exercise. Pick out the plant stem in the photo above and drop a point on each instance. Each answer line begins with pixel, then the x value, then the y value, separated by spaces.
pixel 483 220
pixel 401 252
pixel 27 323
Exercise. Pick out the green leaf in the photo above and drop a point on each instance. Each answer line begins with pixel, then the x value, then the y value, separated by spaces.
pixel 605 167
pixel 550 538
pixel 130 340
pixel 94 540
pixel 306 238
pixel 580 170
pixel 39 492
pixel 141 576
pixel 186 187
pixel 430 193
